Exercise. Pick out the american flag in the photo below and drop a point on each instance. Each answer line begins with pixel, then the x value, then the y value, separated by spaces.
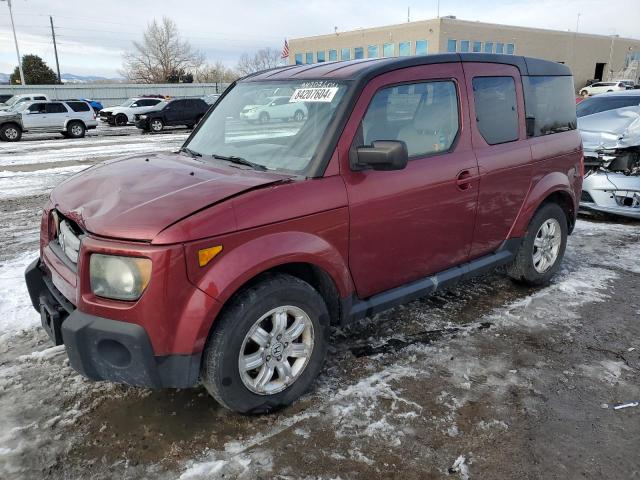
pixel 285 49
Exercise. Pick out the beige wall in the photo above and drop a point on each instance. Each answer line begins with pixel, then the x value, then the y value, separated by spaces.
pixel 579 51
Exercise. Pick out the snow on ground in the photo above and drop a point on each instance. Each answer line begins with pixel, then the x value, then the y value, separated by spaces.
pixel 37 182
pixel 16 311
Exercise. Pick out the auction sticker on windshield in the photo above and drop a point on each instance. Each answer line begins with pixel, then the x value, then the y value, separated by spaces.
pixel 313 94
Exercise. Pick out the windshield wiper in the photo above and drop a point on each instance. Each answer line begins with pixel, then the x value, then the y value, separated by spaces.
pixel 239 161
pixel 188 151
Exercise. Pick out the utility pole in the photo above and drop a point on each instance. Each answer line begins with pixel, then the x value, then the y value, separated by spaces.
pixel 55 48
pixel 578 23
pixel 438 11
pixel 408 14
pixel 15 39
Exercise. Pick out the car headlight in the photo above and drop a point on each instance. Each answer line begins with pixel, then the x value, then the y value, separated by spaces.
pixel 119 278
pixel 143 116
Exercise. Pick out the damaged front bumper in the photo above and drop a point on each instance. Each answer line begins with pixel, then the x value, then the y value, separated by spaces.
pixel 608 192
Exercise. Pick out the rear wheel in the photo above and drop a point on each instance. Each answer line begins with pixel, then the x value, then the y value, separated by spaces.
pixel 264 117
pixel 156 125
pixel 10 132
pixel 76 130
pixel 541 252
pixel 121 120
pixel 268 346
pixel 584 93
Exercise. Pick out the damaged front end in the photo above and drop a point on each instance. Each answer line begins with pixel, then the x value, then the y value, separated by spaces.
pixel 611 141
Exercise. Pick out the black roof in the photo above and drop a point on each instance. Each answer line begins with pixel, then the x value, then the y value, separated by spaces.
pixel 368 68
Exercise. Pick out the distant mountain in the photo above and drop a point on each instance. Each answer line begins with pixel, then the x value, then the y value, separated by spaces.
pixel 70 78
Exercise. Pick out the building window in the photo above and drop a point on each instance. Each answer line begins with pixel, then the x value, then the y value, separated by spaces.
pixel 372 51
pixel 358 53
pixel 309 57
pixel 388 50
pixel 320 55
pixel 477 47
pixel 333 55
pixel 510 48
pixel 345 54
pixel 298 59
pixel 499 47
pixel 496 108
pixel 464 46
pixel 404 49
pixel 427 112
pixel 488 47
pixel 422 47
pixel 452 45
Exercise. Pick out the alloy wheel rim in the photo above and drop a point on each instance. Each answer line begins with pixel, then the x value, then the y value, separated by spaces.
pixel 156 125
pixel 276 350
pixel 11 133
pixel 546 245
pixel 76 130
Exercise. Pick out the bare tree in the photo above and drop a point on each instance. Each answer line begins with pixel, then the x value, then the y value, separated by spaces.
pixel 216 73
pixel 261 60
pixel 160 55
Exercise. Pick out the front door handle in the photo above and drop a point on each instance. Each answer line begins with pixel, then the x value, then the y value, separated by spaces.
pixel 465 179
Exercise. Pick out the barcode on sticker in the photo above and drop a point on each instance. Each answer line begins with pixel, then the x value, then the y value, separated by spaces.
pixel 313 94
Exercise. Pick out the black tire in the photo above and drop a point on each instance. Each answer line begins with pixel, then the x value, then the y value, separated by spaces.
pixel 76 129
pixel 264 117
pixel 120 120
pixel 298 116
pixel 10 132
pixel 523 269
pixel 220 371
pixel 156 125
pixel 584 93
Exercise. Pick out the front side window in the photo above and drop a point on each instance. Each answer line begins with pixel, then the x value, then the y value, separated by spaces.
pixel 388 50
pixel 423 115
pixel 258 122
pixel 510 48
pixel 309 57
pixel 345 54
pixel 372 51
pixel 452 45
pixel 404 49
pixel 422 47
pixel 333 55
pixel 477 47
pixel 298 58
pixel 358 53
pixel 496 108
pixel 464 46
pixel 488 47
pixel 499 47
pixel 320 55
pixel 34 108
pixel 549 104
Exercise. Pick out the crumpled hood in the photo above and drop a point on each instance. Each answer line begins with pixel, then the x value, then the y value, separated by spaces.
pixel 618 128
pixel 135 198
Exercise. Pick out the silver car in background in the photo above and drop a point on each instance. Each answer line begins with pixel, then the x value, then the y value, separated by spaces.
pixel 610 127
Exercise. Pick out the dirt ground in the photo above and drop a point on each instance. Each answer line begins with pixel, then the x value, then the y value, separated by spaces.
pixel 487 380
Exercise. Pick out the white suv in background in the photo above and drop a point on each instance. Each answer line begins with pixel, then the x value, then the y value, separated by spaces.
pixel 126 112
pixel 25 97
pixel 602 87
pixel 71 118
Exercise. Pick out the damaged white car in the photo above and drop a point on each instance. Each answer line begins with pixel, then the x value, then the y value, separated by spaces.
pixel 610 128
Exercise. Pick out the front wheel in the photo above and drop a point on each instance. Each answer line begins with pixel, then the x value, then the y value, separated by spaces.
pixel 268 346
pixel 156 125
pixel 541 252
pixel 10 132
pixel 121 120
pixel 298 116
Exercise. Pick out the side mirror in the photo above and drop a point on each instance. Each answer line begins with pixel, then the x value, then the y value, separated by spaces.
pixel 382 155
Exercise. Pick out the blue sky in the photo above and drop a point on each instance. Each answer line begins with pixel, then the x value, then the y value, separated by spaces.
pixel 92 35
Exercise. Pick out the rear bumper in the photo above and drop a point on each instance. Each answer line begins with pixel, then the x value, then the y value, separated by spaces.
pixel 104 349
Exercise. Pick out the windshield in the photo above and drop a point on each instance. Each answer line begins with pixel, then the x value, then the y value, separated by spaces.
pixel 19 107
pixel 278 131
pixel 127 102
pixel 12 100
pixel 602 104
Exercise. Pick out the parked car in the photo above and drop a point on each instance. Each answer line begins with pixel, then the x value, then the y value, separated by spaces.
pixel 274 108
pixel 211 98
pixel 125 113
pixel 602 87
pixel 610 129
pixel 181 111
pixel 628 83
pixel 95 104
pixel 227 261
pixel 71 118
pixel 25 97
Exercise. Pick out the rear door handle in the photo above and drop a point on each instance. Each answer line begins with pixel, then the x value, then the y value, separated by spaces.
pixel 465 179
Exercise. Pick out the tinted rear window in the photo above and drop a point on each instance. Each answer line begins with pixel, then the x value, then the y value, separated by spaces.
pixel 79 106
pixel 55 108
pixel 550 105
pixel 496 108
pixel 601 104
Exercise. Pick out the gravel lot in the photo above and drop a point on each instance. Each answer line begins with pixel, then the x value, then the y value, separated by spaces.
pixel 488 380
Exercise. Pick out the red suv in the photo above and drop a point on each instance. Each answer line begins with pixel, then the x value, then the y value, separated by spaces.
pixel 227 261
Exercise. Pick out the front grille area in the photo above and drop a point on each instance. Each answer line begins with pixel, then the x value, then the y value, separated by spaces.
pixel 68 240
